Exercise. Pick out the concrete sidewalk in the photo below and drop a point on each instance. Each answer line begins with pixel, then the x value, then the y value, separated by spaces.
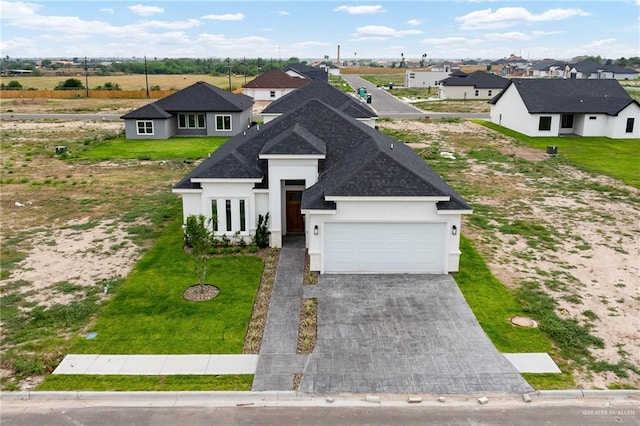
pixel 151 365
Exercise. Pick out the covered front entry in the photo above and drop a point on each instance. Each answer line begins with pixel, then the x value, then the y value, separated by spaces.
pixel 416 248
pixel 295 221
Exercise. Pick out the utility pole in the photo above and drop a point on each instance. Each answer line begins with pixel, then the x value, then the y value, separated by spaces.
pixel 146 75
pixel 244 63
pixel 229 71
pixel 86 76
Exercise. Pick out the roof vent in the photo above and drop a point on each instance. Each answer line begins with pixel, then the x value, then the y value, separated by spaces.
pixel 257 128
pixel 391 147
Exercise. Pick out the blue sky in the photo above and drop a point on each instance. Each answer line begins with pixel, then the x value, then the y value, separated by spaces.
pixel 453 29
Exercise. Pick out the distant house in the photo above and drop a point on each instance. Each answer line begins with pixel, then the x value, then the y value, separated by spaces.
pixel 554 107
pixel 302 70
pixel 424 79
pixel 272 85
pixel 477 85
pixel 328 94
pixel 363 201
pixel 201 109
pixel 592 70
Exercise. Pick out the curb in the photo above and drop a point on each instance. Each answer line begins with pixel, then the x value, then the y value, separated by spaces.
pixel 291 398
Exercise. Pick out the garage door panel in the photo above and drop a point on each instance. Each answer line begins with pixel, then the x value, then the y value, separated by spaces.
pixel 384 248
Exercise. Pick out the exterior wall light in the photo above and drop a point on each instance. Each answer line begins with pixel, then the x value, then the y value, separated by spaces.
pixel 315 230
pixel 454 230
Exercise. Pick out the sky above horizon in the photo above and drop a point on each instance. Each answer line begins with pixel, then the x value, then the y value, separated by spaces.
pixel 453 29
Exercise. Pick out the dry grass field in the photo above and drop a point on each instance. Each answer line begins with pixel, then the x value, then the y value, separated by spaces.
pixel 130 82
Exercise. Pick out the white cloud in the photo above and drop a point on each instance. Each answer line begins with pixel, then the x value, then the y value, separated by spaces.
pixel 360 10
pixel 304 44
pixel 444 41
pixel 107 10
pixel 285 13
pixel 514 35
pixel 177 25
pixel 379 32
pixel 142 10
pixel 418 22
pixel 17 10
pixel 225 17
pixel 505 17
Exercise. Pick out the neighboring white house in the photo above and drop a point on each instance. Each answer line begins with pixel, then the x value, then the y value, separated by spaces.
pixel 317 89
pixel 424 79
pixel 365 203
pixel 273 85
pixel 592 70
pixel 543 107
pixel 476 85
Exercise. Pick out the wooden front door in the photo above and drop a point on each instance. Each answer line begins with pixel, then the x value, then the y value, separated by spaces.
pixel 295 222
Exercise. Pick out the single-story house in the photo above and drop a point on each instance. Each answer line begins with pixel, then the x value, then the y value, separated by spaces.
pixel 302 70
pixel 592 70
pixel 326 93
pixel 477 85
pixel 201 109
pixel 424 79
pixel 365 202
pixel 543 107
pixel 272 85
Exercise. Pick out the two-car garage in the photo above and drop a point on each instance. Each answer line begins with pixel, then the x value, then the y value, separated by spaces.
pixel 385 247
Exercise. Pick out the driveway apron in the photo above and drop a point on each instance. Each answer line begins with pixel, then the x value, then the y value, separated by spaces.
pixel 378 334
pixel 401 334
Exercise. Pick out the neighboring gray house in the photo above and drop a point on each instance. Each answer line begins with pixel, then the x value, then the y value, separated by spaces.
pixel 555 107
pixel 364 202
pixel 477 85
pixel 328 94
pixel 201 109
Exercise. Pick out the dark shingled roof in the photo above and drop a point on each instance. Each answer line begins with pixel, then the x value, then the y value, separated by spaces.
pixel 477 79
pixel 199 97
pixel 570 96
pixel 276 79
pixel 359 161
pixel 593 67
pixel 325 92
pixel 310 72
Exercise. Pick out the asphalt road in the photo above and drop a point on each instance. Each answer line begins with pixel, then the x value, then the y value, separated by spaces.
pixel 388 106
pixel 529 414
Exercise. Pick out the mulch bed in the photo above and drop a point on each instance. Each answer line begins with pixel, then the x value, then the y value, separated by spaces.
pixel 200 292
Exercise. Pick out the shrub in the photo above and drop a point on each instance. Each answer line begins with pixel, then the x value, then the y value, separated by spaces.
pixel 261 238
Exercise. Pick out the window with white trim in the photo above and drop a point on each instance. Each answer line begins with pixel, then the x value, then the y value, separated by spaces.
pixel 223 122
pixel 192 121
pixel 272 94
pixel 230 215
pixel 144 127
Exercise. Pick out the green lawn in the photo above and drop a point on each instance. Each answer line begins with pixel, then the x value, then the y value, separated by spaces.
pixel 148 314
pixel 618 158
pixel 77 382
pixel 152 149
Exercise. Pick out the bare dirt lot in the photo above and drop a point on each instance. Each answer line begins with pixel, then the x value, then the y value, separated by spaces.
pixel 592 266
pixel 63 222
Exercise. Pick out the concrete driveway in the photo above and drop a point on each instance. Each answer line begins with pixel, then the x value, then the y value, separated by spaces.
pixel 401 334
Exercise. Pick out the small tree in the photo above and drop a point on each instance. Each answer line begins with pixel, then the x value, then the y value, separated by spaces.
pixel 69 84
pixel 199 238
pixel 261 237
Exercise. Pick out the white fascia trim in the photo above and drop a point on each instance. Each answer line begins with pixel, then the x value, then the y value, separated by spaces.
pixel 222 180
pixel 447 212
pixel 341 198
pixel 291 157
pixel 186 191
pixel 261 190
pixel 307 211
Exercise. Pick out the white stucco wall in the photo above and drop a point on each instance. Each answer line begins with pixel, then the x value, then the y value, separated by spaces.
pixel 466 92
pixel 260 94
pixel 424 79
pixel 281 169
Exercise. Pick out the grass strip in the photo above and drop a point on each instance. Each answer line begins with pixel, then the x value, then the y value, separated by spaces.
pixel 121 383
pixel 617 158
pixel 151 149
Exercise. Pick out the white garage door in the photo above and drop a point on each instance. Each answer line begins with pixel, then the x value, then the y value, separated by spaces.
pixel 384 248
